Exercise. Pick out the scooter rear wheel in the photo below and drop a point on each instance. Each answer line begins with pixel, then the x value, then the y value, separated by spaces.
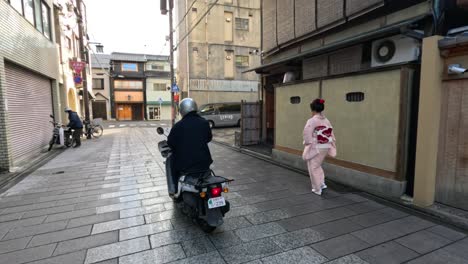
pixel 205 226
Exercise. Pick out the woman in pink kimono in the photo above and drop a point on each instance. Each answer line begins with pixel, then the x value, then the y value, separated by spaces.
pixel 319 141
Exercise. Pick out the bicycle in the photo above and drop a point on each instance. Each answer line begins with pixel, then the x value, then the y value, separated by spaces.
pixel 92 129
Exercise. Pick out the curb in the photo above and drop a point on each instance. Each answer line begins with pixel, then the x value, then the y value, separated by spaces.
pixel 433 214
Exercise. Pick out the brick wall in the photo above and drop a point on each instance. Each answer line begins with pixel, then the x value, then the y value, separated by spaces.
pixel 22 44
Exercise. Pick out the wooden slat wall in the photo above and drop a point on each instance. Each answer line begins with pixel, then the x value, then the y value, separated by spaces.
pixel 355 6
pixel 452 167
pixel 305 17
pixel 250 123
pixel 329 12
pixel 315 67
pixel 285 21
pixel 269 24
pixel 346 60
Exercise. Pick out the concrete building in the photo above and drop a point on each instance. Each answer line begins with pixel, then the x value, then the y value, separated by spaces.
pixel 29 79
pixel 158 83
pixel 222 45
pixel 101 85
pixel 67 39
pixel 364 59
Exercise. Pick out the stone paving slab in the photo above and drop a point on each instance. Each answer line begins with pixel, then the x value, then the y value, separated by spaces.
pixel 107 203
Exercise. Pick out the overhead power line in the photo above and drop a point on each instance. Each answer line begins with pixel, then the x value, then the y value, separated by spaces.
pixel 186 13
pixel 196 24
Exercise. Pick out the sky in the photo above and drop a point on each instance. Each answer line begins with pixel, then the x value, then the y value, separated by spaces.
pixel 135 26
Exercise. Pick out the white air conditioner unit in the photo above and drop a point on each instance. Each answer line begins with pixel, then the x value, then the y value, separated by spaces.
pixel 394 50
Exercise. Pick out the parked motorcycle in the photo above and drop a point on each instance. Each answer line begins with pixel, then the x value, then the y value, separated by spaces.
pixel 67 133
pixel 198 193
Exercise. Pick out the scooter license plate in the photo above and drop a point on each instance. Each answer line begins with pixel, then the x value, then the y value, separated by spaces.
pixel 216 202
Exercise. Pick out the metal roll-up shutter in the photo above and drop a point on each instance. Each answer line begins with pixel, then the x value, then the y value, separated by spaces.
pixel 29 104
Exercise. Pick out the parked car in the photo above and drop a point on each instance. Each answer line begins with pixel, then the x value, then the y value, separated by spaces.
pixel 221 114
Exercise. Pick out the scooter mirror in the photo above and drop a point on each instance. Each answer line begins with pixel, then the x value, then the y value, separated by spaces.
pixel 160 130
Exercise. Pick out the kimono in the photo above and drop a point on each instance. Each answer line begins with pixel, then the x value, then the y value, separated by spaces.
pixel 319 141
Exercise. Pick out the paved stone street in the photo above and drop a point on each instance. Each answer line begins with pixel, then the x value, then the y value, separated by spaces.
pixel 106 202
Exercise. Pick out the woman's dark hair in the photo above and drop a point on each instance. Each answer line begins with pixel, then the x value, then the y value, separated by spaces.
pixel 318 105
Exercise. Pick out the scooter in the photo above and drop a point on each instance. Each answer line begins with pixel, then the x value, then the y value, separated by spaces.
pixel 198 193
pixel 68 135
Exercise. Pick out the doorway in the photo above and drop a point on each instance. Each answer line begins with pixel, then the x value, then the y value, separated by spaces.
pixel 124 112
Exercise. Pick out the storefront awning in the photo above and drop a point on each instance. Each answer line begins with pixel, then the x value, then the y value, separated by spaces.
pixel 157 103
pixel 385 31
pixel 90 93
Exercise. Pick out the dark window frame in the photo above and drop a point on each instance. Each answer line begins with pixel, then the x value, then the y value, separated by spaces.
pixel 37 10
pixel 129 63
pixel 161 85
pixel 242 23
pixel 101 81
pixel 355 97
pixel 242 62
pixel 295 99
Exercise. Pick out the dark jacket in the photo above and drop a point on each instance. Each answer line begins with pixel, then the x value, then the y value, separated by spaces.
pixel 189 140
pixel 75 121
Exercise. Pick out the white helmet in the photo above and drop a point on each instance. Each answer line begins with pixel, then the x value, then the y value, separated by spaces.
pixel 187 105
pixel 68 109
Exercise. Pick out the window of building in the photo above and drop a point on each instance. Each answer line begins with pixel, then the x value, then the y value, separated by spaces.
pixel 29 10
pixel 46 20
pixel 121 84
pixel 154 113
pixel 130 67
pixel 155 67
pixel 159 87
pixel 242 23
pixel 242 61
pixel 98 83
pixel 37 12
pixel 18 5
pixel 355 97
pixel 38 16
pixel 295 100
pixel 68 43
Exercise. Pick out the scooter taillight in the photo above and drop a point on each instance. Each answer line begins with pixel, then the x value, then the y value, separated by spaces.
pixel 216 191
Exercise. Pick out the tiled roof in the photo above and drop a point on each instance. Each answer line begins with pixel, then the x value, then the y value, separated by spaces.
pixel 120 56
pixel 100 60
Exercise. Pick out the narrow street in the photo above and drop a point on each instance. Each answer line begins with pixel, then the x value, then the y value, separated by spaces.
pixel 106 202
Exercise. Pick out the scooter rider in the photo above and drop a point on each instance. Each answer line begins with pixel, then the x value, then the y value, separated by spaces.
pixel 189 140
pixel 76 124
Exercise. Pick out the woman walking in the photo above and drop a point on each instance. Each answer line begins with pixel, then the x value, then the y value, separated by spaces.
pixel 319 141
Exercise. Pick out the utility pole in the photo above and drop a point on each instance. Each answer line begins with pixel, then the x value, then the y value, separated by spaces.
pixel 171 47
pixel 164 11
pixel 83 56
